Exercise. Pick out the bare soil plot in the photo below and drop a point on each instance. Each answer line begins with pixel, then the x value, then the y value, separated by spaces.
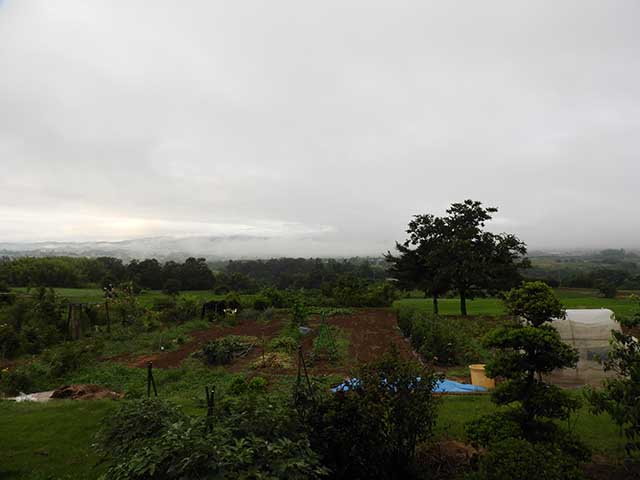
pixel 370 332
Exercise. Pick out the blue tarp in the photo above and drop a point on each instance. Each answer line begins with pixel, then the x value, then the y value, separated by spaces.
pixel 442 386
pixel 449 386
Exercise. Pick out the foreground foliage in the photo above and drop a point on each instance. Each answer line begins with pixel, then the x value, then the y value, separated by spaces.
pixel 620 395
pixel 372 429
pixel 524 353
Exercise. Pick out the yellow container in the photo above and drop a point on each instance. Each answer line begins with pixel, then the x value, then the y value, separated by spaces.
pixel 479 378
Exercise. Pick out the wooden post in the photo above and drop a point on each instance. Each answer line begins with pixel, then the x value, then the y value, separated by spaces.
pixel 150 381
pixel 106 313
pixel 209 420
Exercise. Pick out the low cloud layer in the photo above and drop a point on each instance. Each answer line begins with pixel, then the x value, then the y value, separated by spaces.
pixel 330 121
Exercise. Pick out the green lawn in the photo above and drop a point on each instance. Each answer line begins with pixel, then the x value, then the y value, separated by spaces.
pixel 53 440
pixel 50 440
pixel 623 305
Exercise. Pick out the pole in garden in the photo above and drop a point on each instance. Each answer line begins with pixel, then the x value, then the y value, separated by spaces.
pixel 209 420
pixel 150 380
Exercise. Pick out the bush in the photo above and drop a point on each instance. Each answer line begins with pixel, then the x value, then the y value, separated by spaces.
pixel 27 378
pixel 166 302
pixel 9 341
pixel 133 423
pixel 299 313
pixel 253 437
pixel 516 458
pixel 172 287
pixel 222 350
pixel 248 314
pixel 620 394
pixel 261 303
pixel 371 430
pixel 267 315
pixel 405 321
pixel 233 301
pixel 6 296
pixel 284 344
pixel 275 297
pixel 442 340
pixel 69 356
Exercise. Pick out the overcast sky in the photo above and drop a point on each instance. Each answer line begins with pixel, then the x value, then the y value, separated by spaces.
pixel 325 121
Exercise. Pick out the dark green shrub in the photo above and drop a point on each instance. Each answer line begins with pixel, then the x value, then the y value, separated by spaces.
pixel 172 287
pixel 26 378
pixel 6 296
pixel 371 430
pixel 9 341
pixel 277 298
pixel 252 437
pixel 222 350
pixel 233 301
pixel 620 394
pixel 299 313
pixel 284 344
pixel 133 423
pixel 405 322
pixel 516 458
pixel 70 356
pixel 261 303
pixel 164 303
pixel 248 314
pixel 268 314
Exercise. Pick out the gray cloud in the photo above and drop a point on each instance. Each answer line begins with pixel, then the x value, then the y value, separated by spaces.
pixel 335 120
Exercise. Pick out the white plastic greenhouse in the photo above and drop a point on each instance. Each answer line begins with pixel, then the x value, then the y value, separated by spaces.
pixel 589 331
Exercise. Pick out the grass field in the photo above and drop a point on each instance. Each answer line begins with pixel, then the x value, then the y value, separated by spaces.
pixel 622 306
pixel 55 439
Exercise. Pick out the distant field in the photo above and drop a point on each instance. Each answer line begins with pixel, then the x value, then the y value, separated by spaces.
pixel 623 305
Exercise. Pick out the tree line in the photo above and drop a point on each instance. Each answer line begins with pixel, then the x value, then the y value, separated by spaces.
pixel 192 274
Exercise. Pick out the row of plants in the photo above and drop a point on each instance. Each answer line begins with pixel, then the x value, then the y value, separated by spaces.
pixel 446 341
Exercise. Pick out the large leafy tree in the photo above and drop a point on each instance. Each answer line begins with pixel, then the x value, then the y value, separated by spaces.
pixel 455 252
pixel 420 263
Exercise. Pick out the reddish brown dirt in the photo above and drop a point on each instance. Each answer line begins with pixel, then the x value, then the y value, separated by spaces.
pixel 174 358
pixel 371 332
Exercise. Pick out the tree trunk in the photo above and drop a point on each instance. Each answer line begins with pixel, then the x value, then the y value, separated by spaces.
pixel 463 303
pixel 435 304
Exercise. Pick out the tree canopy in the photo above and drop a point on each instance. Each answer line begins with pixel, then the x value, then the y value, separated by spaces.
pixel 456 253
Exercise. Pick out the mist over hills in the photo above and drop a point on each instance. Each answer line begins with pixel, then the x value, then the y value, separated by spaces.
pixel 178 248
pixel 222 247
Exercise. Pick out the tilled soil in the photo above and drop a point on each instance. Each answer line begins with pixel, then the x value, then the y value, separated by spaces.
pixel 371 332
pixel 174 358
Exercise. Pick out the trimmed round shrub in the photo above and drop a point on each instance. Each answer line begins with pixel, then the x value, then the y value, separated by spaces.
pixel 516 458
